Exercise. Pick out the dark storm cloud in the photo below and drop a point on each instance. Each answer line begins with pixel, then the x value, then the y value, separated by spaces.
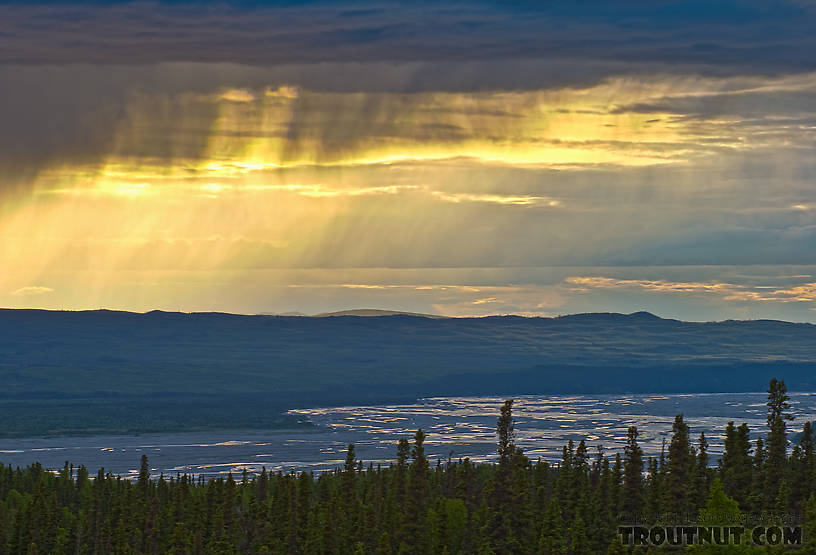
pixel 727 37
pixel 743 104
pixel 69 72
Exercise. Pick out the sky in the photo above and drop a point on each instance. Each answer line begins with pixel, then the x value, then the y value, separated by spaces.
pixel 463 159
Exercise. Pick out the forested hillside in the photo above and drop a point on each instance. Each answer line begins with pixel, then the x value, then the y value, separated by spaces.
pixel 103 371
pixel 420 506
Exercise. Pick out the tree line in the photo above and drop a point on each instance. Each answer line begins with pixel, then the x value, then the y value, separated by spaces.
pixel 415 505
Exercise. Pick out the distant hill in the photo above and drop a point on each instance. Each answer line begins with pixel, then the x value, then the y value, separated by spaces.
pixel 292 313
pixel 353 312
pixel 162 370
pixel 375 312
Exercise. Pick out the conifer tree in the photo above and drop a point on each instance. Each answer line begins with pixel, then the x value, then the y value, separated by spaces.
pixel 507 504
pixel 782 497
pixel 616 494
pixel 719 507
pixel 655 493
pixel 144 477
pixel 606 505
pixel 397 495
pixel 736 467
pixel 349 497
pixel 702 476
pixel 809 528
pixel 777 438
pixel 564 481
pixel 679 468
pixel 757 496
pixel 551 539
pixel 384 544
pixel 579 543
pixel 805 473
pixel 416 537
pixel 632 474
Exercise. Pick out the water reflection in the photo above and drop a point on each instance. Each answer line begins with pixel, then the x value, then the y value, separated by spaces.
pixel 456 427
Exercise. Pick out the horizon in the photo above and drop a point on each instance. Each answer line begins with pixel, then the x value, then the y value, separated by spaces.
pixel 385 313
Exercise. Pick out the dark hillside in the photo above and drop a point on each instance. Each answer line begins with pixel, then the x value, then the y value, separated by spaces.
pixel 240 368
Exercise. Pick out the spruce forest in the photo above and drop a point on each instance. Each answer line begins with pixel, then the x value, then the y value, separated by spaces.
pixel 418 506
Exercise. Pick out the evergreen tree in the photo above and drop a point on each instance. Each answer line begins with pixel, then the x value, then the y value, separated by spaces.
pixel 144 477
pixel 809 528
pixel 349 501
pixel 507 523
pixel 702 473
pixel 551 539
pixel 617 486
pixel 805 473
pixel 757 496
pixel 632 502
pixel 720 510
pixel 679 471
pixel 397 495
pixel 736 467
pixel 416 537
pixel 384 544
pixel 777 444
pixel 607 509
pixel 564 481
pixel 655 493
pixel 579 543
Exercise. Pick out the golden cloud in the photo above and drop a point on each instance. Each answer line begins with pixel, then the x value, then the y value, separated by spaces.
pixel 805 292
pixel 31 291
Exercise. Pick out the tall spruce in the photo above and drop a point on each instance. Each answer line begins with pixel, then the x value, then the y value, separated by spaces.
pixel 632 501
pixel 551 538
pixel 349 501
pixel 702 473
pixel 396 500
pixel 416 530
pixel 777 444
pixel 679 468
pixel 144 477
pixel 564 481
pixel 655 493
pixel 736 465
pixel 759 467
pixel 806 464
pixel 809 547
pixel 507 525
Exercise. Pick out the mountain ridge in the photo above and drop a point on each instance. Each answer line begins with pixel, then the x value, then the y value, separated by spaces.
pixel 376 312
pixel 169 369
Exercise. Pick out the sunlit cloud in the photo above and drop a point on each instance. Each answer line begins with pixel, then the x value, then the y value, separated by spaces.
pixel 584 283
pixel 239 132
pixel 325 191
pixel 284 91
pixel 237 95
pixel 31 291
pixel 486 300
pixel 805 292
pixel 496 199
pixel 801 293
